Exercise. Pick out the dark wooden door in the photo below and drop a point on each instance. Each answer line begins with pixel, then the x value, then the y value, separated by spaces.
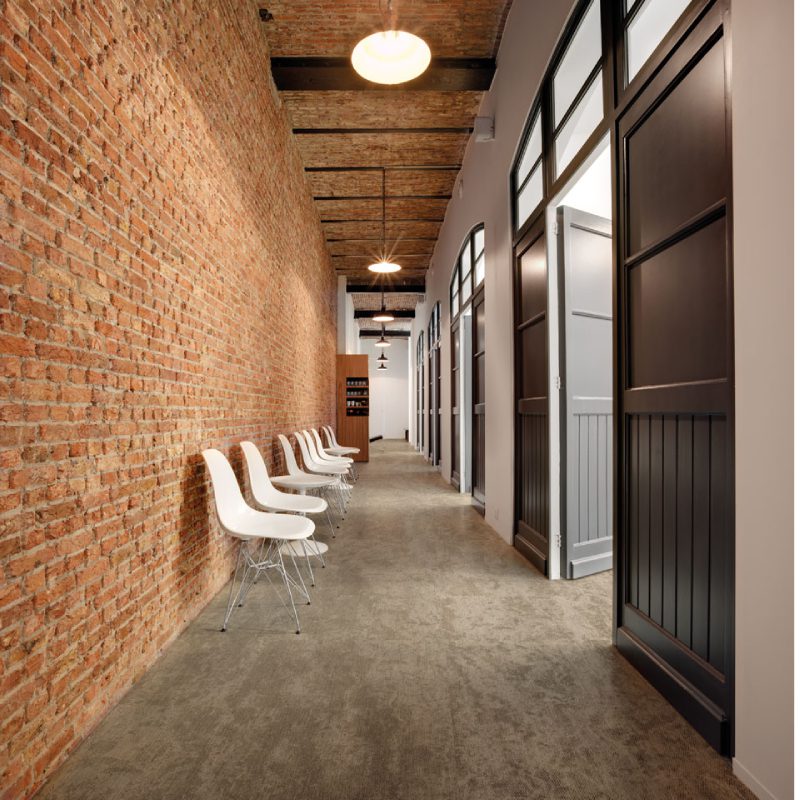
pixel 479 400
pixel 421 392
pixel 431 399
pixel 437 406
pixel 585 266
pixel 455 406
pixel 532 439
pixel 674 380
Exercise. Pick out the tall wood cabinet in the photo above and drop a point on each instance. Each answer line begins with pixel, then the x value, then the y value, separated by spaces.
pixel 352 403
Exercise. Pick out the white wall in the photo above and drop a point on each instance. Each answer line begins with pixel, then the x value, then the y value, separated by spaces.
pixel 531 33
pixel 388 390
pixel 762 107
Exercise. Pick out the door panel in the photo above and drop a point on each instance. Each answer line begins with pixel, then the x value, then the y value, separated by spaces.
pixel 532 451
pixel 675 381
pixel 586 369
pixel 455 406
pixel 479 400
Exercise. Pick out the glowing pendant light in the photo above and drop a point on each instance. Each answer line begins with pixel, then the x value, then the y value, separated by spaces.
pixel 384 265
pixel 383 341
pixel 382 366
pixel 382 359
pixel 390 56
pixel 383 315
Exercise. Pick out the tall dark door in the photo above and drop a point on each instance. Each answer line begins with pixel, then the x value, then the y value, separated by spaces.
pixel 674 380
pixel 479 400
pixel 455 416
pixel 421 392
pixel 437 409
pixel 585 266
pixel 532 440
pixel 431 401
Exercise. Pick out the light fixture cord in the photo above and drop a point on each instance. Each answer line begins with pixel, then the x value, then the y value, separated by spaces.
pixel 387 14
pixel 383 212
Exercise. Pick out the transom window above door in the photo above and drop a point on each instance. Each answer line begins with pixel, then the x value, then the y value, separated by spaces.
pixel 469 271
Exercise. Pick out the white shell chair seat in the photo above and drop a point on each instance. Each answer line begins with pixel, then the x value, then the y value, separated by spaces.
pixel 334 447
pixel 314 465
pixel 323 453
pixel 318 452
pixel 268 498
pixel 306 481
pixel 248 524
pixel 339 471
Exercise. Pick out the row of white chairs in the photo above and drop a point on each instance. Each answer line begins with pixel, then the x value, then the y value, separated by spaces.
pixel 278 524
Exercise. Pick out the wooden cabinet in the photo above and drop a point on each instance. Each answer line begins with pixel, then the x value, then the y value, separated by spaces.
pixel 352 403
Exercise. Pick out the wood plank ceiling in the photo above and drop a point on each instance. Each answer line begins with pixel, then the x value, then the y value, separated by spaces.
pixel 353 135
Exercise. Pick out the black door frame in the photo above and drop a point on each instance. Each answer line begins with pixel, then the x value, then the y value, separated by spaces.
pixel 618 97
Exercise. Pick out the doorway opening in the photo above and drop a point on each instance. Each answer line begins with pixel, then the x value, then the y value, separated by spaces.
pixel 580 358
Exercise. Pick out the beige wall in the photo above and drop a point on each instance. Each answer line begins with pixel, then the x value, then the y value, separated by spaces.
pixel 763 285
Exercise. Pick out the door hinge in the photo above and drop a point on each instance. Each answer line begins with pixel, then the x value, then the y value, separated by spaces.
pixel 558 382
pixel 555 229
pixel 558 540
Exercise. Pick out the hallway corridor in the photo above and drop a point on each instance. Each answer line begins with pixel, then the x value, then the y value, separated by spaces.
pixel 434 663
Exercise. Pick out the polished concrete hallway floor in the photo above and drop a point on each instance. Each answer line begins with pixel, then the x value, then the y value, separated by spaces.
pixel 433 663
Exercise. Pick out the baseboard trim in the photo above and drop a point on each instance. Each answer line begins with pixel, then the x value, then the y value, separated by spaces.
pixel 706 718
pixel 538 559
pixel 751 782
pixel 589 565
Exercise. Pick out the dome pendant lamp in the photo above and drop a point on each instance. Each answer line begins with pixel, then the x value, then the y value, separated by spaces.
pixel 384 265
pixel 382 359
pixel 383 341
pixel 383 315
pixel 390 56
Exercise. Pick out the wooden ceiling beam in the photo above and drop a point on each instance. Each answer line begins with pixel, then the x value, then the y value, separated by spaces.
pixel 401 288
pixel 315 73
pixel 404 314
pixel 378 197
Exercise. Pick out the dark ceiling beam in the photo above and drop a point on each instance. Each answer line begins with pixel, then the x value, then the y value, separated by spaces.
pixel 390 220
pixel 399 255
pixel 393 168
pixel 398 288
pixel 369 314
pixel 377 333
pixel 310 74
pixel 341 131
pixel 379 239
pixel 378 197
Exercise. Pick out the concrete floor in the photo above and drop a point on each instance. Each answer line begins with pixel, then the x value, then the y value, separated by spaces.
pixel 435 662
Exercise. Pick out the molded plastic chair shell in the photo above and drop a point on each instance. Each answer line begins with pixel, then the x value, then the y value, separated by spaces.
pixel 267 496
pixel 318 452
pixel 312 465
pixel 325 456
pixel 334 445
pixel 239 519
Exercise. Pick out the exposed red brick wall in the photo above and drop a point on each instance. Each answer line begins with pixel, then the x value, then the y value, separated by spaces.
pixel 165 288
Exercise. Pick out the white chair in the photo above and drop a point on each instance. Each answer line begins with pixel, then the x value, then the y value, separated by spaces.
pixel 338 471
pixel 318 454
pixel 268 498
pixel 337 450
pixel 334 448
pixel 302 481
pixel 323 454
pixel 247 525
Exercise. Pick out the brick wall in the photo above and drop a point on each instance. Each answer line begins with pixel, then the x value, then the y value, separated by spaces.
pixel 165 288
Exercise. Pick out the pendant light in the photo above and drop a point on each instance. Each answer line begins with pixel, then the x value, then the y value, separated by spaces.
pixel 383 315
pixel 382 366
pixel 383 341
pixel 390 56
pixel 382 359
pixel 384 265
